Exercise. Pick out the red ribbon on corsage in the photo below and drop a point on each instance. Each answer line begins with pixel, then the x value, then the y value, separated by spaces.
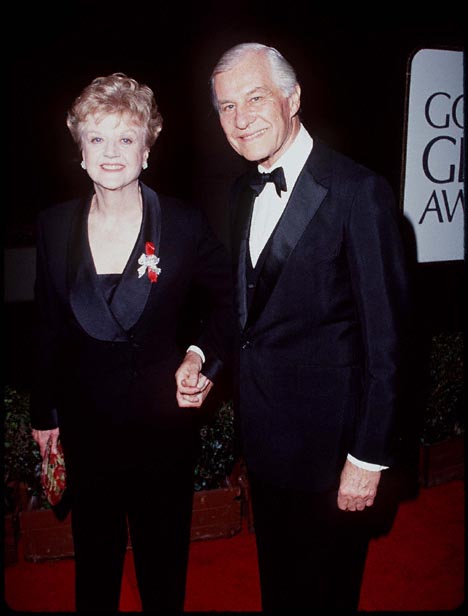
pixel 149 263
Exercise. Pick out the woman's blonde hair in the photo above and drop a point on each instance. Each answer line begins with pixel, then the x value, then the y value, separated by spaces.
pixel 118 94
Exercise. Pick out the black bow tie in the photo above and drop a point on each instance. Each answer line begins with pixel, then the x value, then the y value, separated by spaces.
pixel 258 180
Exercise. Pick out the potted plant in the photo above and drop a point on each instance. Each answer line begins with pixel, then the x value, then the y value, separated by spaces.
pixel 46 530
pixel 219 481
pixel 21 470
pixel 22 461
pixel 443 425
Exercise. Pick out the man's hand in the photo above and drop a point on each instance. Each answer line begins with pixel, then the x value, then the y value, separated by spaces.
pixel 42 437
pixel 358 487
pixel 192 385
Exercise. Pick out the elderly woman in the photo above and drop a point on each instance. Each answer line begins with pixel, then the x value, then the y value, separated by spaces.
pixel 114 271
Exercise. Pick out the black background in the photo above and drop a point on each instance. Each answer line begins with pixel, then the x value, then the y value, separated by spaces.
pixel 352 71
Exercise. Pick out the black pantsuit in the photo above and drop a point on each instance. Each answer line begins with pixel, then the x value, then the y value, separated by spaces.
pixel 153 501
pixel 107 353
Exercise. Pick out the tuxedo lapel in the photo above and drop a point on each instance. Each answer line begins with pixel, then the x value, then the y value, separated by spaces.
pixel 99 319
pixel 305 200
pixel 131 295
pixel 86 299
pixel 240 239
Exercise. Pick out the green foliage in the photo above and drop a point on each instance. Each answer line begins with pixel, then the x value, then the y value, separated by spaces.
pixel 216 458
pixel 444 413
pixel 22 460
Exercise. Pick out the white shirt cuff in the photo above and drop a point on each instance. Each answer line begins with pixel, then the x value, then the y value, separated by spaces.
pixel 197 350
pixel 366 465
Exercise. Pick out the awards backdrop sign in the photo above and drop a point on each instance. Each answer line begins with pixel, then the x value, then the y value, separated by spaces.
pixel 433 198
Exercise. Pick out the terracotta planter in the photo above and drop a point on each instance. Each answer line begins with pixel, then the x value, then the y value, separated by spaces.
pixel 216 513
pixel 44 536
pixel 11 532
pixel 442 462
pixel 14 502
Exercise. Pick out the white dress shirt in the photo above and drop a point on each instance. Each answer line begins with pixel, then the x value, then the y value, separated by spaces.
pixel 268 208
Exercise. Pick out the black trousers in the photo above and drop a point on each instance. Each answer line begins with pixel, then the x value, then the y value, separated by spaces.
pixel 154 502
pixel 311 554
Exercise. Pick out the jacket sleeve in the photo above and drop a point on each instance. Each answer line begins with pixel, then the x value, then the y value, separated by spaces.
pixel 381 286
pixel 213 279
pixel 43 395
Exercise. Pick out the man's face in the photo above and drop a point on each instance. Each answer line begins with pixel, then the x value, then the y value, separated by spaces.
pixel 260 123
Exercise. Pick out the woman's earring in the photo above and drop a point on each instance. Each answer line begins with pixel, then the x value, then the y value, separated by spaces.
pixel 83 164
pixel 144 165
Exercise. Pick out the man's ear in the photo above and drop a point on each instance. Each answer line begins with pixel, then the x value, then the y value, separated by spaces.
pixel 295 100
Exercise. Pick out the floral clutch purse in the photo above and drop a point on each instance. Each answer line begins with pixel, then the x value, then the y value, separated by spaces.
pixel 53 474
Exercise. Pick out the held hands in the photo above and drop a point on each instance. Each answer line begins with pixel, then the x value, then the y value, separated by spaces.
pixel 192 386
pixel 358 487
pixel 42 437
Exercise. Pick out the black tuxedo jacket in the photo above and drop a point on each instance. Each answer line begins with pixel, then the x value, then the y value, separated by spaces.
pixel 105 372
pixel 321 334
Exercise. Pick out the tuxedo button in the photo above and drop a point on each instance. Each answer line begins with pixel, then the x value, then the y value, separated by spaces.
pixel 245 344
pixel 251 285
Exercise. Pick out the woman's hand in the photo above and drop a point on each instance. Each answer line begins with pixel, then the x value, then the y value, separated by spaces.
pixel 42 438
pixel 192 385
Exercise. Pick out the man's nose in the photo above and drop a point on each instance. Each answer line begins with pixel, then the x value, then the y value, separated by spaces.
pixel 244 118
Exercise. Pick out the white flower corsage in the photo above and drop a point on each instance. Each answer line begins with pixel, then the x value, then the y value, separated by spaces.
pixel 149 263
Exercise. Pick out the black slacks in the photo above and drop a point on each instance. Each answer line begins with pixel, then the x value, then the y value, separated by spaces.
pixel 311 554
pixel 152 501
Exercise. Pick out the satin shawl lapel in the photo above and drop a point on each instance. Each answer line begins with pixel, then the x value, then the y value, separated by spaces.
pixel 131 295
pixel 99 319
pixel 240 239
pixel 303 204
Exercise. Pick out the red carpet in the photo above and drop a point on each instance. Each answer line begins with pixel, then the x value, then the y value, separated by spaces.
pixel 418 566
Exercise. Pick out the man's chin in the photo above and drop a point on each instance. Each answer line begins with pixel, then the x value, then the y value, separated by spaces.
pixel 253 155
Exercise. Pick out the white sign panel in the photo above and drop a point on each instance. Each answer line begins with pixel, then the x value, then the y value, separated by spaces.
pixel 434 184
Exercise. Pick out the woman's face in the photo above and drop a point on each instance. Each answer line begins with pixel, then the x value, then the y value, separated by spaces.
pixel 113 149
